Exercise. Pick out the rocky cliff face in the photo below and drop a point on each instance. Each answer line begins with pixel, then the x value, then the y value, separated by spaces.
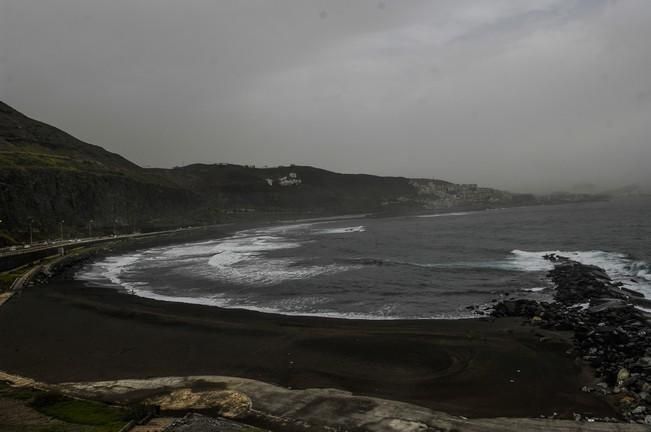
pixel 48 176
pixel 48 196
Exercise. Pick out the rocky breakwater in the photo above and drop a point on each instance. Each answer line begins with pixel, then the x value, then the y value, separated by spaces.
pixel 611 334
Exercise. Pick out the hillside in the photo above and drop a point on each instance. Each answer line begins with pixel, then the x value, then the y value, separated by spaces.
pixel 282 189
pixel 48 176
pixel 27 142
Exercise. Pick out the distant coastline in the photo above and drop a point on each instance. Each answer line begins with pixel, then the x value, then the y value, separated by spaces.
pixel 58 187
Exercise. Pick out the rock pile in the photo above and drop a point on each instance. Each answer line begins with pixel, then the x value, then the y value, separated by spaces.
pixel 193 422
pixel 610 333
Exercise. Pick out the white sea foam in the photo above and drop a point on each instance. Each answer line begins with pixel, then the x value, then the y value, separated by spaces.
pixel 285 308
pixel 242 259
pixel 280 229
pixel 111 270
pixel 447 214
pixel 620 267
pixel 344 230
pixel 379 315
pixel 184 251
pixel 535 289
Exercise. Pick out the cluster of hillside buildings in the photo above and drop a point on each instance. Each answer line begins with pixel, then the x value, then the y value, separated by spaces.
pixel 439 194
pixel 291 179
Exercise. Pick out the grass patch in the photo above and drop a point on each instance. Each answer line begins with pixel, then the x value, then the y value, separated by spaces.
pixel 73 415
pixel 78 411
pixel 7 279
pixel 20 393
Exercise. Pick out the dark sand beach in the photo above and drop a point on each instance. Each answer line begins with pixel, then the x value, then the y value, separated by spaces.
pixel 66 331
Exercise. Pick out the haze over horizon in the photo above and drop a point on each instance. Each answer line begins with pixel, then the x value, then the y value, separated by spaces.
pixel 520 95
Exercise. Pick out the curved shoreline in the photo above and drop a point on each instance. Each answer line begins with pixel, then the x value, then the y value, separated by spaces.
pixel 65 331
pixel 306 299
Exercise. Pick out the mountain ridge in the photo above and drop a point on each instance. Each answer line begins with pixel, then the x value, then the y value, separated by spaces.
pixel 48 176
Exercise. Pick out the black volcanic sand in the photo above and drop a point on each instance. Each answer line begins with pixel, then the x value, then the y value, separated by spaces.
pixel 65 331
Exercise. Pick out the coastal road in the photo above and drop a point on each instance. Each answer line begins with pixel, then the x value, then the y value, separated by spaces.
pixel 24 255
pixel 26 249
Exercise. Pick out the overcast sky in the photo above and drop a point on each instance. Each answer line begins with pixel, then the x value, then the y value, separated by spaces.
pixel 523 95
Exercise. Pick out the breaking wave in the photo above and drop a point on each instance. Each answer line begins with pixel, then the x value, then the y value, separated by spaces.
pixel 633 274
pixel 345 230
pixel 446 214
pixel 620 267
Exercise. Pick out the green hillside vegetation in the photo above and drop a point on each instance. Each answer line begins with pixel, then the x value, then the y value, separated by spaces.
pixel 26 409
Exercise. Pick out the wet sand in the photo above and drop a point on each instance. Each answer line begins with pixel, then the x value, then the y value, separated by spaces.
pixel 65 331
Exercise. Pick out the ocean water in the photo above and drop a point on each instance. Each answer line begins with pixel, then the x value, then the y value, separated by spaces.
pixel 430 266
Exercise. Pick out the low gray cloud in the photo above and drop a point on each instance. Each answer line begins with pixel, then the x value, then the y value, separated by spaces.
pixel 524 95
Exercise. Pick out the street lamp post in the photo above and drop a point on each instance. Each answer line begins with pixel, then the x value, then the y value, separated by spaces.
pixel 61 228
